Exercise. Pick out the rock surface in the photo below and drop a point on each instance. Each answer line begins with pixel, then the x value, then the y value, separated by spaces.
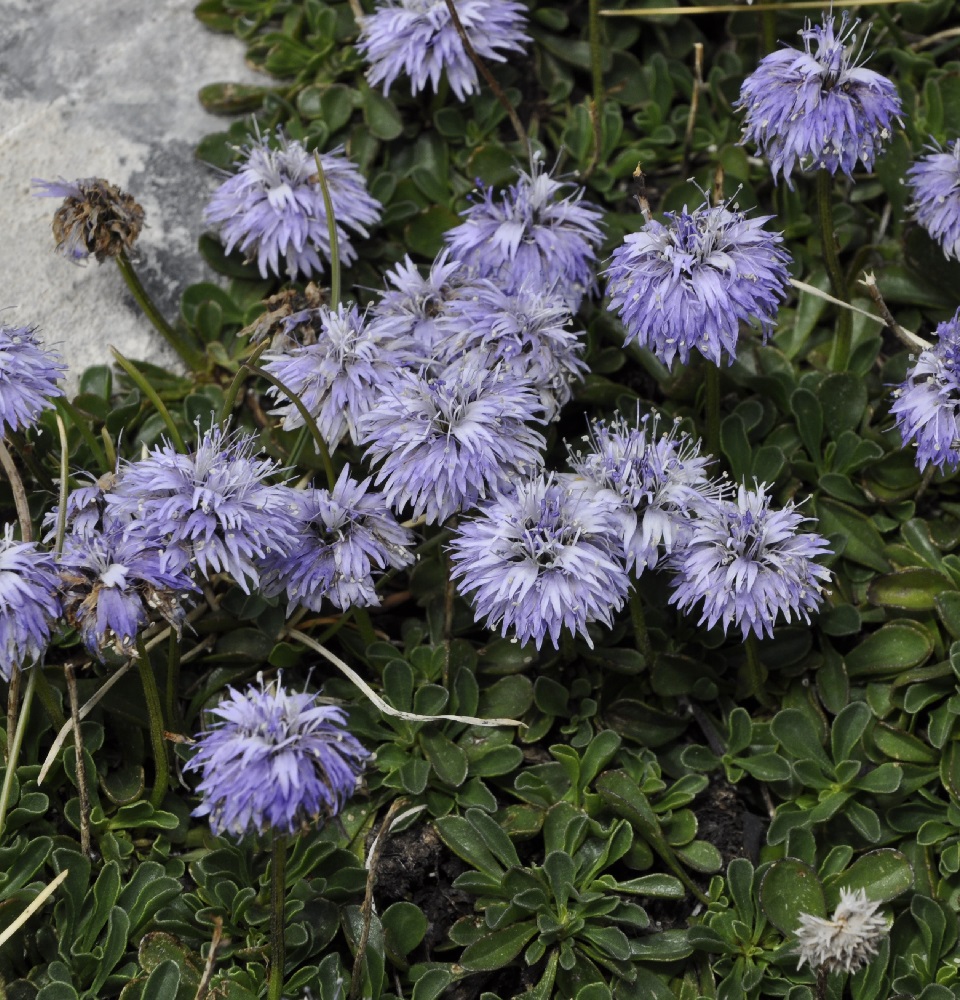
pixel 105 89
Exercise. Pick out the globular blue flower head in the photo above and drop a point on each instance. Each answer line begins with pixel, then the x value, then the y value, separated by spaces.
pixel 29 601
pixel 934 181
pixel 819 108
pixel 214 505
pixel 686 285
pixel 659 479
pixel 545 557
pixel 337 378
pixel 749 563
pixel 112 579
pixel 28 377
pixel 273 209
pixel 927 404
pixel 417 39
pixel 274 760
pixel 407 314
pixel 96 218
pixel 345 536
pixel 448 438
pixel 539 234
pixel 527 330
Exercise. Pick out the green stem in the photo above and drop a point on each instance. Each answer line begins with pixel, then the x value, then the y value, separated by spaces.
pixel 80 423
pixel 277 894
pixel 332 234
pixel 13 751
pixel 840 355
pixel 712 409
pixel 768 30
pixel 50 706
pixel 233 390
pixel 362 617
pixel 639 620
pixel 173 681
pixel 148 390
pixel 19 493
pixel 596 72
pixel 754 676
pixel 191 357
pixel 155 711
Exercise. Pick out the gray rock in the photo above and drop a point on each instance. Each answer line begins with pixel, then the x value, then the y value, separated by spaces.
pixel 105 89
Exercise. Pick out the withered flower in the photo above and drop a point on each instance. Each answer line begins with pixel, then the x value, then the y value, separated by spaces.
pixel 290 320
pixel 96 218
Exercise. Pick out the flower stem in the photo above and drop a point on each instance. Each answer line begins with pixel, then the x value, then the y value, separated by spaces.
pixel 332 234
pixel 19 493
pixel 596 70
pixel 13 749
pixel 712 410
pixel 639 620
pixel 155 711
pixel 840 354
pixel 754 675
pixel 81 762
pixel 143 384
pixel 191 357
pixel 173 682
pixel 277 894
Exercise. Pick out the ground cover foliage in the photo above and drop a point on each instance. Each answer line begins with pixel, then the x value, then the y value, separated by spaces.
pixel 676 797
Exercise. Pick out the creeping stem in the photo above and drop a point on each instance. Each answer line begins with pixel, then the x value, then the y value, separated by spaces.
pixel 155 711
pixel 277 893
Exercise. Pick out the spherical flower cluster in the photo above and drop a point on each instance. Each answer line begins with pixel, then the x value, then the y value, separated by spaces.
pixel 214 505
pixel 541 559
pixel 274 760
pixel 818 108
pixel 748 563
pixel 28 377
pixel 845 942
pixel 112 579
pixel 687 285
pixel 273 208
pixel 527 329
pixel 450 438
pixel 96 218
pixel 336 378
pixel 934 182
pixel 927 404
pixel 29 604
pixel 659 480
pixel 533 236
pixel 418 39
pixel 344 536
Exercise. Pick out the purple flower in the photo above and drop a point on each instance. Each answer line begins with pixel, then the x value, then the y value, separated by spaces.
pixel 273 209
pixel 86 508
pixel 112 579
pixel 543 558
pixel 934 181
pixel 449 438
pixel 28 377
pixel 527 330
pixel 28 601
pixel 344 537
pixel 533 236
pixel 417 38
pixel 927 405
pixel 749 563
pixel 337 378
pixel 687 285
pixel 818 108
pixel 274 760
pixel 408 314
pixel 214 504
pixel 659 480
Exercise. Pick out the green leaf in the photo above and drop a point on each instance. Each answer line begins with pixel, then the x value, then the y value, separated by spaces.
pixel 404 927
pixel 843 397
pixel 445 757
pixel 381 115
pixel 809 417
pixel 848 729
pixel 863 541
pixel 898 745
pixel 895 647
pixel 883 875
pixel 788 889
pixel 913 589
pixel 232 98
pixel 799 737
pixel 163 982
pixel 497 949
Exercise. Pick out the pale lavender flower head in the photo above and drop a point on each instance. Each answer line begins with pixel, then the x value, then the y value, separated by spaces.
pixel 28 377
pixel 539 234
pixel 274 760
pixel 112 579
pixel 659 479
pixel 273 209
pixel 927 405
pixel 417 38
pixel 345 536
pixel 337 378
pixel 749 563
pixel 686 285
pixel 543 558
pixel 848 940
pixel 29 605
pixel 86 508
pixel 934 181
pixel 448 438
pixel 819 108
pixel 214 505
pixel 407 314
pixel 527 329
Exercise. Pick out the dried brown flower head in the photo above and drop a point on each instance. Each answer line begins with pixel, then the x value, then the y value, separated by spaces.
pixel 290 319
